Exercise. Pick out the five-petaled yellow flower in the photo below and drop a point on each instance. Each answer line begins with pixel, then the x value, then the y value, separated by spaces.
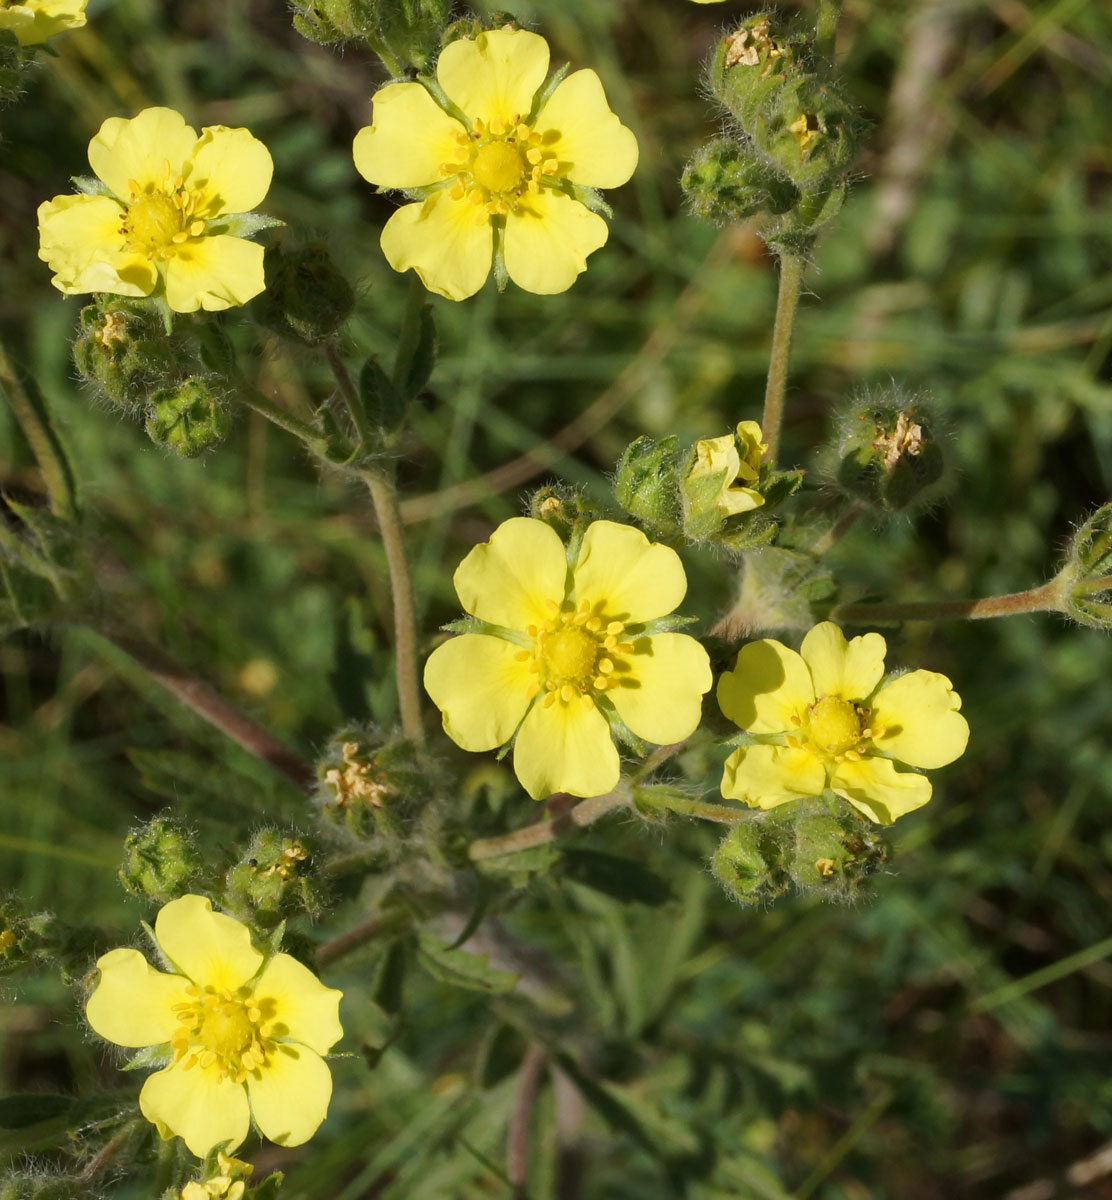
pixel 739 459
pixel 828 720
pixel 162 223
pixel 244 1033
pixel 505 182
pixel 565 649
pixel 33 21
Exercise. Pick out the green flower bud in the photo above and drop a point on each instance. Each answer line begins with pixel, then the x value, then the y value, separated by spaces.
pixel 122 348
pixel 645 482
pixel 190 417
pixel 720 480
pixel 1085 583
pixel 306 297
pixel 835 850
pixel 327 21
pixel 471 27
pixel 162 861
pixel 747 864
pixel 11 67
pixel 25 938
pixel 372 785
pixel 888 454
pixel 727 181
pixel 273 880
pixel 22 1185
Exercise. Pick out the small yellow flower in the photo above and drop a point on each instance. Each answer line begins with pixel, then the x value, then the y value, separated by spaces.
pixel 504 180
pixel 33 21
pixel 832 722
pixel 741 466
pixel 225 1184
pixel 565 651
pixel 244 1034
pixel 163 222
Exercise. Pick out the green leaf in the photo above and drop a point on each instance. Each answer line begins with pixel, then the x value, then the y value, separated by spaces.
pixel 381 402
pixel 424 355
pixel 459 968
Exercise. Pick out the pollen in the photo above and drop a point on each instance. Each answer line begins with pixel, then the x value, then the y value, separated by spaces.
pixel 156 222
pixel 834 725
pixel 224 1030
pixel 577 654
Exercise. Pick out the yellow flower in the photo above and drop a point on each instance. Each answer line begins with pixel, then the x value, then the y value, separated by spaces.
pixel 565 650
pixel 224 1184
pixel 505 181
pixel 827 720
pixel 34 21
pixel 741 467
pixel 165 219
pixel 244 1034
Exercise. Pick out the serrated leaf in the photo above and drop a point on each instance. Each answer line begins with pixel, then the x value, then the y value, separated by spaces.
pixel 460 968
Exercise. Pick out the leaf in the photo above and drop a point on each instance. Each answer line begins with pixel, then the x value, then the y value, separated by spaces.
pixel 622 878
pixel 381 402
pixel 421 364
pixel 461 969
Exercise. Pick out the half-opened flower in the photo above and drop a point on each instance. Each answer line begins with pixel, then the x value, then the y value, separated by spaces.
pixel 566 649
pixel 33 21
pixel 504 173
pixel 242 1033
pixel 165 217
pixel 826 718
pixel 737 459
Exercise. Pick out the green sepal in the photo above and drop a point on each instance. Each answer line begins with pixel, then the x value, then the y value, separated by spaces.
pixel 242 225
pixel 544 93
pixel 591 199
pixel 89 185
pixel 150 1057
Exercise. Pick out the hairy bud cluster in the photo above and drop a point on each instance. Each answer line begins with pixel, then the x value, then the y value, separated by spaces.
pixel 26 1185
pixel 820 846
pixel 12 64
pixel 406 33
pixel 273 879
pixel 1086 579
pixel 306 297
pixel 161 860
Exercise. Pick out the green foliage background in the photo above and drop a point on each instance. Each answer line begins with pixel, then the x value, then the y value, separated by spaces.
pixel 949 1035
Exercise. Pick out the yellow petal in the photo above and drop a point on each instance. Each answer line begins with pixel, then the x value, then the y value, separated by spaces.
pixel 496 75
pixel 565 748
pixel 197 1106
pixel 303 1009
pixel 210 948
pixel 481 689
pixel 919 718
pixel 766 776
pixel 660 697
pixel 752 450
pixel 290 1094
pixel 592 146
pixel 132 1003
pixel 231 171
pixel 80 239
pixel 411 135
pixel 440 239
pixel 876 788
pixel 516 577
pixel 548 239
pixel 126 151
pixel 768 685
pixel 624 576
pixel 848 670
pixel 33 22
pixel 214 273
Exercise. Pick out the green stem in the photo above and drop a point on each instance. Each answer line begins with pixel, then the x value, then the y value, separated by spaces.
pixel 787 302
pixel 1045 598
pixel 312 437
pixel 42 440
pixel 344 943
pixel 351 397
pixel 586 812
pixel 719 813
pixel 826 28
pixel 839 529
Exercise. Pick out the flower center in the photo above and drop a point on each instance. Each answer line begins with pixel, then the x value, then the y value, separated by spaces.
pixel 835 725
pixel 157 221
pixel 496 165
pixel 576 654
pixel 224 1029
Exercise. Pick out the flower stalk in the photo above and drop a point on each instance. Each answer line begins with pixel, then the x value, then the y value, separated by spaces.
pixel 787 303
pixel 1047 597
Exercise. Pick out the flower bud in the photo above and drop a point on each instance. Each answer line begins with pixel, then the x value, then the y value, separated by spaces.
pixel 888 454
pixel 645 482
pixel 24 937
pixel 727 181
pixel 25 1185
pixel 747 864
pixel 161 860
pixel 122 348
pixel 306 297
pixel 327 21
pixel 371 785
pixel 721 479
pixel 272 880
pixel 1086 580
pixel 190 417
pixel 835 850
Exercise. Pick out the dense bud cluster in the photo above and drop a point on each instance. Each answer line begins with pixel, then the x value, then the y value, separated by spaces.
pixel 273 879
pixel 161 860
pixel 405 32
pixel 191 417
pixel 1086 580
pixel 306 297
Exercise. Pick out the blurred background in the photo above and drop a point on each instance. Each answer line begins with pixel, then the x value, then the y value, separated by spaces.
pixel 951 1034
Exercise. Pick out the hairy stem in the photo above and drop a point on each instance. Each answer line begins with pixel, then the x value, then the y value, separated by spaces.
pixel 787 302
pixel 42 439
pixel 721 813
pixel 839 529
pixel 207 703
pixel 826 27
pixel 351 939
pixel 1047 597
pixel 586 812
pixel 313 438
